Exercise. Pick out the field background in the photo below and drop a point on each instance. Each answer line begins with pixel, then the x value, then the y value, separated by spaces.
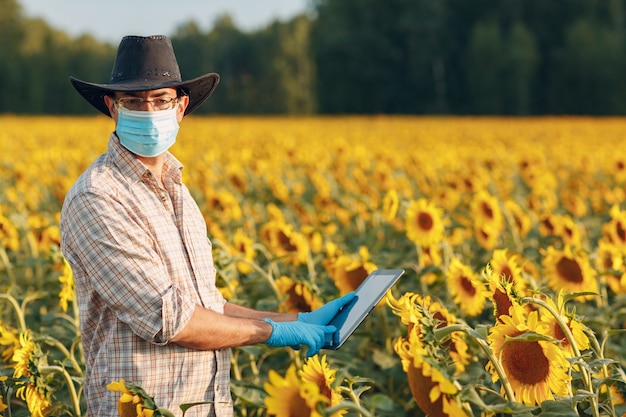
pixel 321 182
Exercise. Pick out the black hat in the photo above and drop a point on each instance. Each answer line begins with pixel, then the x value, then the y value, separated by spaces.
pixel 142 64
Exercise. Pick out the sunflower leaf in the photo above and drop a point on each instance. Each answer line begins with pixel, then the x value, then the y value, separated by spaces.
pixel 557 409
pixel 529 337
pixel 570 296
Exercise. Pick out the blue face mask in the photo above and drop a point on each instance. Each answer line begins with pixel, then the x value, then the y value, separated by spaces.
pixel 147 133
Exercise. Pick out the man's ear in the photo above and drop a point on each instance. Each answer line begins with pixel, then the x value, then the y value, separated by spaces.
pixel 183 102
pixel 110 103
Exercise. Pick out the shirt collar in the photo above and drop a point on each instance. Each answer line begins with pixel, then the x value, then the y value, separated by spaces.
pixel 130 166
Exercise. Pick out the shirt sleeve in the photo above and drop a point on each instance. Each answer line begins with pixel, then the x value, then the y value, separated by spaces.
pixel 122 264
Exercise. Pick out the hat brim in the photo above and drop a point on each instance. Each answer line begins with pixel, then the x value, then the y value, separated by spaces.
pixel 198 89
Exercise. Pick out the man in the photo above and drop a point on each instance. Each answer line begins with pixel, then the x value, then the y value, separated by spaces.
pixel 150 312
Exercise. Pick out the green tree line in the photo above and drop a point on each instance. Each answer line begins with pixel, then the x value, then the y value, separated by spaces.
pixel 500 57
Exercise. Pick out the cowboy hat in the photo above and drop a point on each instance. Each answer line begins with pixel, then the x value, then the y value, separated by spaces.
pixel 142 64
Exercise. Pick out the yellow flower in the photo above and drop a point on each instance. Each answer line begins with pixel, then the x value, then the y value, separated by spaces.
pixel 433 391
pixel 321 375
pixel 28 358
pixel 615 230
pixel 66 295
pixel 466 288
pixel 504 294
pixel 350 271
pixel 508 267
pixel 486 235
pixel 222 205
pixel 9 237
pixel 299 297
pixel 554 330
pixel 609 261
pixel 243 246
pixel 10 340
pixel 520 219
pixel 285 243
pixel 134 401
pixel 569 270
pixel 485 209
pixel 412 308
pixel 390 205
pixel 425 225
pixel 536 369
pixel 290 396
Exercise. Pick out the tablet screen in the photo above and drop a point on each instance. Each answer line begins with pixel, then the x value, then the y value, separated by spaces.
pixel 369 293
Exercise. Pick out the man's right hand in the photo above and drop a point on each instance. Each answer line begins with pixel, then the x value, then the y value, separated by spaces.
pixel 296 333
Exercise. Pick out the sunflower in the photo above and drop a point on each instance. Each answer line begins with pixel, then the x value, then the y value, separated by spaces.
pixel 609 261
pixel 222 205
pixel 423 358
pixel 415 310
pixel 134 401
pixel 574 203
pixel 9 237
pixel 486 235
pixel 429 256
pixel 569 270
pixel 285 243
pixel 66 295
pixel 244 247
pixel 503 294
pixel 521 221
pixel 433 391
pixel 28 358
pixel 466 288
pixel 425 225
pixel 562 227
pixel 9 340
pixel 615 229
pixel 536 369
pixel 485 210
pixel 576 327
pixel 291 396
pixel 507 266
pixel 299 297
pixel 350 271
pixel 390 205
pixel 318 372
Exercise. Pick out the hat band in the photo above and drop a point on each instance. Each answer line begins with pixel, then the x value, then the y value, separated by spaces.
pixel 154 74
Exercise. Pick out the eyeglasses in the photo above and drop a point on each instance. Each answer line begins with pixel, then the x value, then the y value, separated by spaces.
pixel 138 103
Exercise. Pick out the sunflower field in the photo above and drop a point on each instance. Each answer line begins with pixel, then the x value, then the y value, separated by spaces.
pixel 512 232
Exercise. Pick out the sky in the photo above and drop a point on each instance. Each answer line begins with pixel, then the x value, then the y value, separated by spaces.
pixel 111 20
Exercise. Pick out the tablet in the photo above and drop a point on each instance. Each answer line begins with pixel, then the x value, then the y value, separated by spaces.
pixel 369 293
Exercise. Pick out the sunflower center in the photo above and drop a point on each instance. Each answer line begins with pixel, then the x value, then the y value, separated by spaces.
pixel 467 286
pixel 285 242
pixel 620 231
pixel 425 221
pixel 526 362
pixel 487 210
pixel 570 270
pixel 296 301
pixel 356 277
pixel 502 303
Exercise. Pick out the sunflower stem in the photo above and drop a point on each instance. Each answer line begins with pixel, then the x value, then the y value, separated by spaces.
pixel 70 385
pixel 18 311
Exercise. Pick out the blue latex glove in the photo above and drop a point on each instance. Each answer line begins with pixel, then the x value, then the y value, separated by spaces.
pixel 296 333
pixel 325 313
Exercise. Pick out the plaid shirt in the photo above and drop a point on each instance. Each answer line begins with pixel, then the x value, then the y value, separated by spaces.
pixel 142 261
